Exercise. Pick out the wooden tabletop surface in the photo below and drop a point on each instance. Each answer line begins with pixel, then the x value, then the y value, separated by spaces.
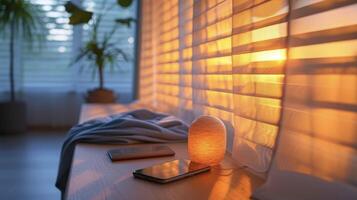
pixel 95 176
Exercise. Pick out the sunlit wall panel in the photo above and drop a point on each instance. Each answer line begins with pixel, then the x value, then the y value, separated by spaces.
pixel 259 54
pixel 317 153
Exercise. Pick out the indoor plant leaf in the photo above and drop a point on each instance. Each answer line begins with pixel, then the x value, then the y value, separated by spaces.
pixel 125 21
pixel 101 51
pixel 78 15
pixel 124 3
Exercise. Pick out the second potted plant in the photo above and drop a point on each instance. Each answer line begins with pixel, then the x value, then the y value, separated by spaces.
pixel 98 52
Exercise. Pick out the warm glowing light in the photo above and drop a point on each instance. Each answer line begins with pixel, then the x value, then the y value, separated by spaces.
pixel 221 188
pixel 325 50
pixel 272 55
pixel 207 140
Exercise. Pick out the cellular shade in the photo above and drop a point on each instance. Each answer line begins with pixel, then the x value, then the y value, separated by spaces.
pixel 166 41
pixel 146 70
pixel 316 155
pixel 212 61
pixel 258 58
pixel 166 52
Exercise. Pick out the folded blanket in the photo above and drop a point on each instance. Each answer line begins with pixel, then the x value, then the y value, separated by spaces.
pixel 138 126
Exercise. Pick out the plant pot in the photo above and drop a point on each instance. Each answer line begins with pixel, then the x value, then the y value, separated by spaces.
pixel 99 95
pixel 12 117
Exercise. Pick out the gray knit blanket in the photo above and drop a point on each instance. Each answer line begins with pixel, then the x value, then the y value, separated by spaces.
pixel 138 126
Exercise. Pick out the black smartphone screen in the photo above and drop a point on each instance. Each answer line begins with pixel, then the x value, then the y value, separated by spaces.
pixel 170 171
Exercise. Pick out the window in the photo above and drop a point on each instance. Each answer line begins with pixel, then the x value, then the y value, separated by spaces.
pixel 119 78
pixel 48 67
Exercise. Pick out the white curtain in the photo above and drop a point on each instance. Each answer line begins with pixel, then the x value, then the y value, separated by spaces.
pixel 212 62
pixel 146 72
pixel 316 156
pixel 259 53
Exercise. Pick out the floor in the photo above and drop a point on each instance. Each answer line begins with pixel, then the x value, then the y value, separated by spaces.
pixel 28 165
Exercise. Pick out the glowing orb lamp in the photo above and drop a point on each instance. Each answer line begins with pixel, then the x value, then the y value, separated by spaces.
pixel 207 140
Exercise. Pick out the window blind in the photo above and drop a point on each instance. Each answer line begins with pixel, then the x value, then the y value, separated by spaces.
pixel 4 57
pixel 191 45
pixel 119 78
pixel 258 45
pixel 47 68
pixel 166 39
pixel 146 71
pixel 185 59
pixel 317 153
pixel 5 62
pixel 212 61
pixel 166 56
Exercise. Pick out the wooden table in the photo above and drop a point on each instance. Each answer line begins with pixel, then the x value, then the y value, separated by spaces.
pixel 94 176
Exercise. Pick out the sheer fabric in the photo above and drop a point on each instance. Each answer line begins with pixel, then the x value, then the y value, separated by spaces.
pixel 212 61
pixel 316 155
pixel 146 72
pixel 259 53
pixel 166 44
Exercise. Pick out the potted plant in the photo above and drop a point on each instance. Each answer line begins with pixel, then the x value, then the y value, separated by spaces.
pixel 98 52
pixel 18 18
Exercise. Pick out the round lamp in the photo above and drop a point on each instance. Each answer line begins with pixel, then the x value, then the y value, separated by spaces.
pixel 207 140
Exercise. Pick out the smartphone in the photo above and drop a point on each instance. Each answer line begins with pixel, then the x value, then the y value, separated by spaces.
pixel 170 171
pixel 127 153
